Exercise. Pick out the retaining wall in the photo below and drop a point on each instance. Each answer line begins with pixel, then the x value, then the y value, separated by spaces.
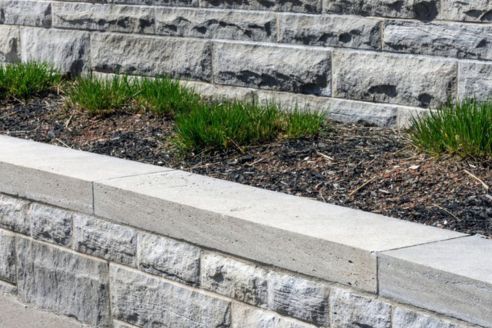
pixel 114 243
pixel 377 61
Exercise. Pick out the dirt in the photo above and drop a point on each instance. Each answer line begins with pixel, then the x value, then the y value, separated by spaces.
pixel 364 167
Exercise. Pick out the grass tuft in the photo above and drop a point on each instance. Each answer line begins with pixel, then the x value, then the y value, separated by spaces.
pixel 464 129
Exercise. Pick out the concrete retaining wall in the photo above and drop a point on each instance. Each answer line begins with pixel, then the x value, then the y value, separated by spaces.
pixel 114 243
pixel 377 61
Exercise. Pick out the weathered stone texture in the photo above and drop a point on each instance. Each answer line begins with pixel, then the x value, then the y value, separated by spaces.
pixel 147 301
pixel 397 79
pixel 63 282
pixel 51 224
pixel 332 30
pixel 9 44
pixel 169 258
pixel 472 41
pixel 104 239
pixel 13 215
pixel 304 6
pixel 275 68
pixel 352 310
pixel 475 80
pixel 405 318
pixel 186 58
pixel 103 17
pixel 466 10
pixel 68 51
pixel 249 317
pixel 216 24
pixel 424 10
pixel 177 3
pixel 242 281
pixel 7 289
pixel 298 297
pixel 25 12
pixel 7 256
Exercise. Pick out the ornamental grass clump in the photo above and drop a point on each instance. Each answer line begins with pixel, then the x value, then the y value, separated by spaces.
pixel 463 129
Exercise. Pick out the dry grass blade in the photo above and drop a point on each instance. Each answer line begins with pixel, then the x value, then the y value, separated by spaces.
pixel 478 179
pixel 353 192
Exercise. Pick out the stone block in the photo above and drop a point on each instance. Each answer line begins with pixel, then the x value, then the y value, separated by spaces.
pixel 273 67
pixel 51 224
pixel 348 309
pixel 466 10
pixel 245 282
pixel 216 24
pixel 103 239
pixel 397 79
pixel 406 318
pixel 63 282
pixel 475 80
pixel 9 44
pixel 26 12
pixel 7 289
pixel 147 301
pixel 248 317
pixel 7 256
pixel 68 51
pixel 169 258
pixel 172 3
pixel 139 55
pixel 103 17
pixel 13 215
pixel 330 30
pixel 303 6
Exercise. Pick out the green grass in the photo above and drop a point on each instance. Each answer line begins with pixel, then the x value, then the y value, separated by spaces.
pixel 464 129
pixel 24 80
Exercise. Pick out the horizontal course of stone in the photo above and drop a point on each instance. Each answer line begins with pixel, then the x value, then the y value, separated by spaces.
pixel 377 61
pixel 115 243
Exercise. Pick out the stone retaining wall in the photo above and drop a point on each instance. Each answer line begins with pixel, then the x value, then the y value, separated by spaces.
pixel 113 243
pixel 377 61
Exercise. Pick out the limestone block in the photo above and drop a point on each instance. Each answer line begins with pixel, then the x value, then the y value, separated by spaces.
pixel 13 214
pixel 405 318
pixel 7 256
pixel 172 3
pixel 26 12
pixel 9 44
pixel 466 10
pixel 51 224
pixel 475 80
pixel 304 6
pixel 249 317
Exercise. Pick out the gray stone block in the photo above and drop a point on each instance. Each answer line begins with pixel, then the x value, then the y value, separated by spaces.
pixel 298 297
pixel 9 44
pixel 186 58
pixel 350 310
pixel 273 67
pixel 26 12
pixel 472 41
pixel 249 317
pixel 147 301
pixel 450 277
pixel 7 256
pixel 330 30
pixel 172 3
pixel 216 24
pixel 245 282
pixel 303 6
pixel 169 258
pixel 398 79
pixel 63 282
pixel 13 215
pixel 100 238
pixel 68 51
pixel 103 17
pixel 51 224
pixel 406 318
pixel 466 10
pixel 475 80
pixel 7 289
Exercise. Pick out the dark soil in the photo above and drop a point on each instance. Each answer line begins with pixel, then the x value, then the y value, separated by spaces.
pixel 369 168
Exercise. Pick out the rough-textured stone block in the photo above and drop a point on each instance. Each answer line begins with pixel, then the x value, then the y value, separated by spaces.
pixel 7 289
pixel 51 224
pixel 242 281
pixel 216 24
pixel 304 6
pixel 466 10
pixel 103 17
pixel 352 310
pixel 424 10
pixel 249 317
pixel 275 68
pixel 119 324
pixel 405 318
pixel 172 3
pixel 100 238
pixel 398 79
pixel 169 258
pixel 66 50
pixel 475 80
pixel 298 297
pixel 25 12
pixel 63 282
pixel 331 30
pixel 147 301
pixel 7 256
pixel 9 44
pixel 13 214
pixel 472 41
pixel 187 58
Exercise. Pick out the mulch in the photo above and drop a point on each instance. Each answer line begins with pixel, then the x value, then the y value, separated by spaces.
pixel 369 168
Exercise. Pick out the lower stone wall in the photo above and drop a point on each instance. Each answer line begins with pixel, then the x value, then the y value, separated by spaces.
pixel 109 275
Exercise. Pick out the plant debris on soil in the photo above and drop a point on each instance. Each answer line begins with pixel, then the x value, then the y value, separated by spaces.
pixel 368 168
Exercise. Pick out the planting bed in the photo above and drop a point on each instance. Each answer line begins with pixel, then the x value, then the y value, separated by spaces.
pixel 369 168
